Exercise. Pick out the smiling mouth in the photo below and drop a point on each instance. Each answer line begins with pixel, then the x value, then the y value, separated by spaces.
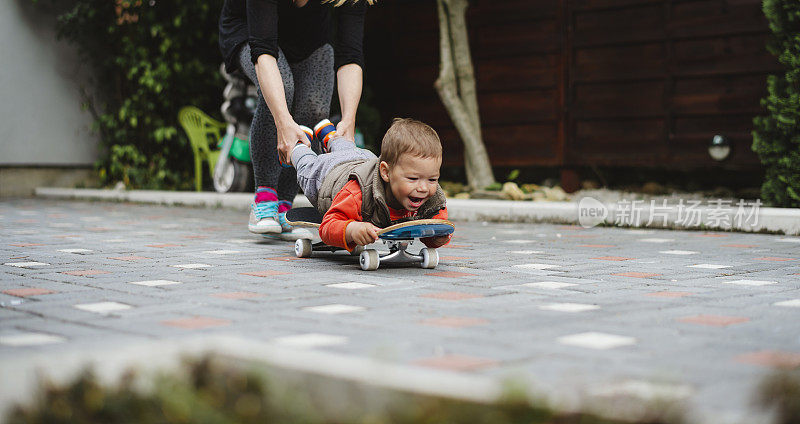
pixel 416 201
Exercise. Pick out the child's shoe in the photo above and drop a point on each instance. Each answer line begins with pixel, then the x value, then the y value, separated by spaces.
pixel 324 131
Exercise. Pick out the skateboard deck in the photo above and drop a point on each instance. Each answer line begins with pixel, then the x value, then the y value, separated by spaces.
pixel 409 230
pixel 304 217
pixel 398 236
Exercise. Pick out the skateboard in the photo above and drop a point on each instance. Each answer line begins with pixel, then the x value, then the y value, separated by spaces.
pixel 398 237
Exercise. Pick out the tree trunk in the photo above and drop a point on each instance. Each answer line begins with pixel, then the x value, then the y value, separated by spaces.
pixel 456 88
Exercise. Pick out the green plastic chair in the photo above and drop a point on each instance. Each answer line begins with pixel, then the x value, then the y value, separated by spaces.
pixel 203 132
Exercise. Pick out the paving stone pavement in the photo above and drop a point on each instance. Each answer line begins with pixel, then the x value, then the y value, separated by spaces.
pixel 697 317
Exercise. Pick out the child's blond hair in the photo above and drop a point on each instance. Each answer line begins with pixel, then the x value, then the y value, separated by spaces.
pixel 407 135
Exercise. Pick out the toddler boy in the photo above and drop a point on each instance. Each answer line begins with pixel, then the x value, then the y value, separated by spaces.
pixel 359 193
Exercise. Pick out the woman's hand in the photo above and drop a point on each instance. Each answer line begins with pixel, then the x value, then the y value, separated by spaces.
pixel 360 233
pixel 346 129
pixel 289 133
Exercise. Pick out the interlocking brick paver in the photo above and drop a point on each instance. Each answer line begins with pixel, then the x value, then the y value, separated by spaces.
pixel 594 311
pixel 30 339
pixel 197 322
pixel 596 340
pixel 634 274
pixel 713 320
pixel 669 294
pixel 450 274
pixel 775 359
pixel 237 295
pixel 311 340
pixel 613 258
pixel 86 272
pixel 25 292
pixel 457 362
pixel 454 322
pixel 268 273
pixel 451 296
pixel 153 283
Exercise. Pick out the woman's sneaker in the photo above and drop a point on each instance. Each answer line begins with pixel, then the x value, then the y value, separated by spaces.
pixel 324 131
pixel 264 218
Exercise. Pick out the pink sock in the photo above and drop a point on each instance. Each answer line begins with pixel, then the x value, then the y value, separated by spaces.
pixel 284 206
pixel 266 194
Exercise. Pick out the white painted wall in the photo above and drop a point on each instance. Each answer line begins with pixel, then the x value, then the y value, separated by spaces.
pixel 41 122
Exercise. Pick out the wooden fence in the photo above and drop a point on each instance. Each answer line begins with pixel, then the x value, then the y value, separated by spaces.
pixel 571 83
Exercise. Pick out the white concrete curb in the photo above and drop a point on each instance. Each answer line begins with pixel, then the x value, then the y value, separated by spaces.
pixel 22 375
pixel 785 220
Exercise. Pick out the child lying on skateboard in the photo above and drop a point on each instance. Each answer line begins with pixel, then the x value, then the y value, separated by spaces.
pixel 359 193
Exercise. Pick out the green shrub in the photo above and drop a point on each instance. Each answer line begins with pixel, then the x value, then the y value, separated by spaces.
pixel 147 59
pixel 776 138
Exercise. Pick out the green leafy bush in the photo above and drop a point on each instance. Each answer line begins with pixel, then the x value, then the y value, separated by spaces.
pixel 148 59
pixel 776 138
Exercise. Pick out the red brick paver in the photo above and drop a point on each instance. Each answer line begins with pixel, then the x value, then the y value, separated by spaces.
pixel 771 358
pixel 457 362
pixel 451 296
pixel 27 291
pixel 131 258
pixel 195 323
pixel 714 320
pixel 286 258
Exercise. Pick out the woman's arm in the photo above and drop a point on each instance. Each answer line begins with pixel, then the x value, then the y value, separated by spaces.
pixel 350 79
pixel 271 84
pixel 262 24
pixel 349 63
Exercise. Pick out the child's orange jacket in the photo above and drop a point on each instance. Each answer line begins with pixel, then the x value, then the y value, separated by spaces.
pixel 346 208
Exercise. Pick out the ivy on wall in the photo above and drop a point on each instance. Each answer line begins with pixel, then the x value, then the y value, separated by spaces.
pixel 148 58
pixel 776 138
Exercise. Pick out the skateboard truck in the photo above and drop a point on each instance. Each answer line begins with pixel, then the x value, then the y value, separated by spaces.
pixel 370 259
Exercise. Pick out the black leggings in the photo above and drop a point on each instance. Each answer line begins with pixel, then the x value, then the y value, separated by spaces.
pixel 308 86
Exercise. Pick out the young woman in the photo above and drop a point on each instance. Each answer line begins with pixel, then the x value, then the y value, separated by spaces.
pixel 285 48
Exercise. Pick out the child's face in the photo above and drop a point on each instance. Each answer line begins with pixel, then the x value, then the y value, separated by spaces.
pixel 412 180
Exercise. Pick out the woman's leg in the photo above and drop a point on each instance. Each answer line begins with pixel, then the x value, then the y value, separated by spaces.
pixel 313 78
pixel 263 148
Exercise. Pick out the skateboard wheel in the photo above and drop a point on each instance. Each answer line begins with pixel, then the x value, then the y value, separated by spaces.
pixel 369 260
pixel 357 250
pixel 302 248
pixel 430 258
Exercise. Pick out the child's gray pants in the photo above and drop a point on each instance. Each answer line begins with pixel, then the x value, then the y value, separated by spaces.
pixel 312 168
